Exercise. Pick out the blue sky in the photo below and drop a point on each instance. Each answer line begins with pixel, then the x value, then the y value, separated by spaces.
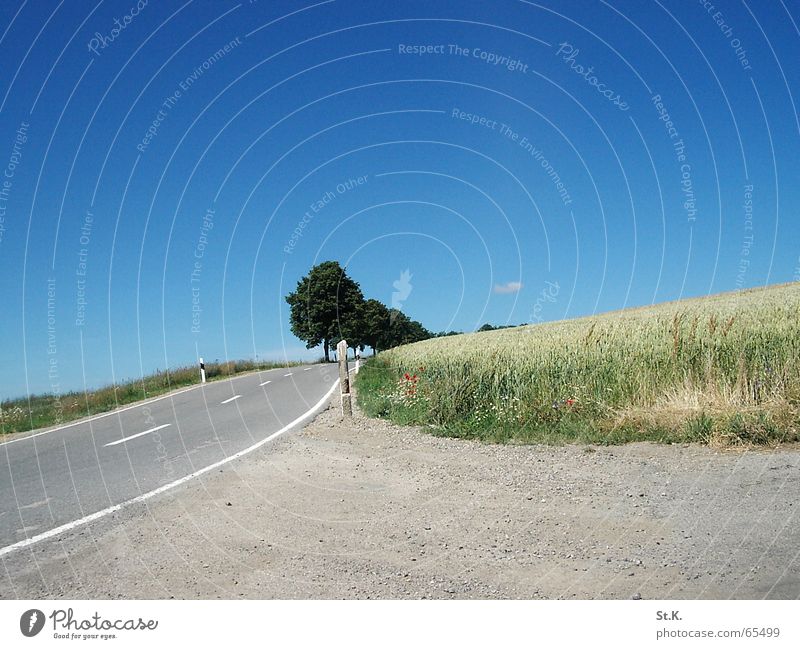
pixel 522 161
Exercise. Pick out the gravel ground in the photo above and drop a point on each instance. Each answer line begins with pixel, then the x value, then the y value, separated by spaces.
pixel 372 510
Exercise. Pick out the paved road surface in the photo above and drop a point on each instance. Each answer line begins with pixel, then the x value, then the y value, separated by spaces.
pixel 53 478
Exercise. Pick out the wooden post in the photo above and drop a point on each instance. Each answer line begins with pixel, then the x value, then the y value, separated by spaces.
pixel 344 379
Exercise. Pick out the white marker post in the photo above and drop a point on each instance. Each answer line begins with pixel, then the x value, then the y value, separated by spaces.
pixel 344 379
pixel 202 371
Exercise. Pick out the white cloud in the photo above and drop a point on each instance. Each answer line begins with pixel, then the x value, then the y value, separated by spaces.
pixel 508 287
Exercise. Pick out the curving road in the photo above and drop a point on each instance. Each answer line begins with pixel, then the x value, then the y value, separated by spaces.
pixel 61 476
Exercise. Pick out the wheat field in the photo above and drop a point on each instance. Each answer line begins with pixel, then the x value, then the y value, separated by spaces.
pixel 720 370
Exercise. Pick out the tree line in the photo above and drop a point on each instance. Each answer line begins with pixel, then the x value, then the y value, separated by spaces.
pixel 328 305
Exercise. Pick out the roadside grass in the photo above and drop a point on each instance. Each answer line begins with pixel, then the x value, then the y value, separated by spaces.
pixel 44 410
pixel 722 371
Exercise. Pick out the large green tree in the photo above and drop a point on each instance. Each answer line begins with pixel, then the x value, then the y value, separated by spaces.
pixel 353 329
pixel 402 331
pixel 325 306
pixel 375 319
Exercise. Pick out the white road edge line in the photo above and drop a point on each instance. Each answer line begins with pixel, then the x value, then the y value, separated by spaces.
pixel 125 439
pixel 155 492
pixel 238 396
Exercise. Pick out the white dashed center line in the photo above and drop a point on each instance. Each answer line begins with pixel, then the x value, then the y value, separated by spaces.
pixel 150 430
pixel 238 396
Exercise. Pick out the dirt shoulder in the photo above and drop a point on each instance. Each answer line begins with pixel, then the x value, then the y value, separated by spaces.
pixel 372 510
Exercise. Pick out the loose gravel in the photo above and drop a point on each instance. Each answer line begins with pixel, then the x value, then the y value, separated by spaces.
pixel 371 510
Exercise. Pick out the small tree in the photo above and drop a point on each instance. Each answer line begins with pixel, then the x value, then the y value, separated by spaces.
pixel 324 306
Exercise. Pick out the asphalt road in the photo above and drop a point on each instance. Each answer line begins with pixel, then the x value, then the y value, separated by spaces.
pixel 55 477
